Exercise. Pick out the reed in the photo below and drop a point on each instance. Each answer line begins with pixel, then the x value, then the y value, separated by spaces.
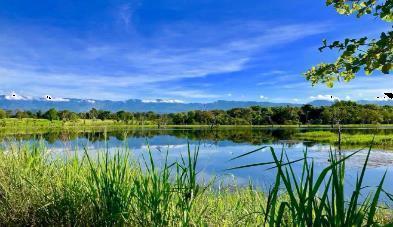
pixel 112 188
pixel 318 199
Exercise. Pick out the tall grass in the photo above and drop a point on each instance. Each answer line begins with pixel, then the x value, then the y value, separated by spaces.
pixel 318 199
pixel 107 189
pixel 109 183
pixel 113 189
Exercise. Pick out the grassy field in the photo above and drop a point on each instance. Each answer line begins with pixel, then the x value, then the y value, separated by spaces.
pixel 37 188
pixel 30 126
pixel 42 123
pixel 348 139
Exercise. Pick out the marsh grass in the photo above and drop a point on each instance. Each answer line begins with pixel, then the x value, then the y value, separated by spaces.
pixel 319 199
pixel 108 185
pixel 104 189
pixel 113 189
pixel 348 139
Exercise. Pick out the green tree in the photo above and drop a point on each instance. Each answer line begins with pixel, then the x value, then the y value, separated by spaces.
pixel 3 114
pixel 64 115
pixel 93 114
pixel 51 115
pixel 73 116
pixel 387 114
pixel 124 116
pixel 179 118
pixel 21 114
pixel 103 114
pixel 357 54
pixel 190 119
pixel 371 116
pixel 285 115
pixel 337 114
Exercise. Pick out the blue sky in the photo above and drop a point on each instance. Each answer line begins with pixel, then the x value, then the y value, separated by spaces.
pixel 200 50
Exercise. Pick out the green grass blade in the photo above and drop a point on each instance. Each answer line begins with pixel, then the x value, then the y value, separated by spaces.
pixel 374 204
pixel 248 153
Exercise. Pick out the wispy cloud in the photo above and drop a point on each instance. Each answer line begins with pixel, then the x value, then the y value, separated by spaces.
pixel 193 94
pixel 126 12
pixel 280 78
pixel 73 65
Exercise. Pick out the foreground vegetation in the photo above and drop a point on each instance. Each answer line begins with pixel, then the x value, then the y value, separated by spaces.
pixel 112 188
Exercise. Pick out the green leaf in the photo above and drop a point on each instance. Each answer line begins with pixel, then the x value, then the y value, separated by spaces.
pixel 386 68
pixel 248 153
pixel 374 204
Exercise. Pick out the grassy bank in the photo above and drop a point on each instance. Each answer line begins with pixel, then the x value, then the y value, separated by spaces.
pixel 31 123
pixel 113 189
pixel 385 141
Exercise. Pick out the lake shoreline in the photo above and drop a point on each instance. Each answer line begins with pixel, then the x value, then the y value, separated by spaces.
pixel 12 124
pixel 36 128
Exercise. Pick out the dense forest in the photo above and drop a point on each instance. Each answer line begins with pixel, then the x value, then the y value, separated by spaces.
pixel 343 112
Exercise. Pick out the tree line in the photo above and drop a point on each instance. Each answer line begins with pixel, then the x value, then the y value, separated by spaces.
pixel 342 112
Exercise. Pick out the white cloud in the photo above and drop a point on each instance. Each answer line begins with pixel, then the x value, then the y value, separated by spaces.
pixel 273 72
pixel 14 96
pixel 117 69
pixel 50 98
pixel 263 97
pixel 282 79
pixel 324 97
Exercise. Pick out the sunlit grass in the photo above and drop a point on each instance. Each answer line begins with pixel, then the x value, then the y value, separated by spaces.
pixel 112 188
pixel 347 139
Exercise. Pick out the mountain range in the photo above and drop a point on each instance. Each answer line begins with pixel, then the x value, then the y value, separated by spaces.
pixel 15 101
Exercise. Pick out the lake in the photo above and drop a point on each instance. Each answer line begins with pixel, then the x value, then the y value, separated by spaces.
pixel 217 147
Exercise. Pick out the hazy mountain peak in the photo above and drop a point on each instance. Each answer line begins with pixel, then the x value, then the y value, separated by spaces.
pixel 14 96
pixel 14 101
pixel 50 98
pixel 162 101
pixel 90 101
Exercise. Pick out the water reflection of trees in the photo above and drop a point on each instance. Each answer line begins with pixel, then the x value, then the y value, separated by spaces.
pixel 253 136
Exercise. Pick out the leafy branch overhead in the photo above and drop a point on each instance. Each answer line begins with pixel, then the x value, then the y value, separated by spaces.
pixel 357 54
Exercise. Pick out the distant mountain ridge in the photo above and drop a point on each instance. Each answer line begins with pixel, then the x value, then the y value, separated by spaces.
pixel 387 102
pixel 18 102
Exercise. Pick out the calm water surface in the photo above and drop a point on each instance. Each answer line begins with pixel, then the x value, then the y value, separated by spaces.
pixel 216 148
